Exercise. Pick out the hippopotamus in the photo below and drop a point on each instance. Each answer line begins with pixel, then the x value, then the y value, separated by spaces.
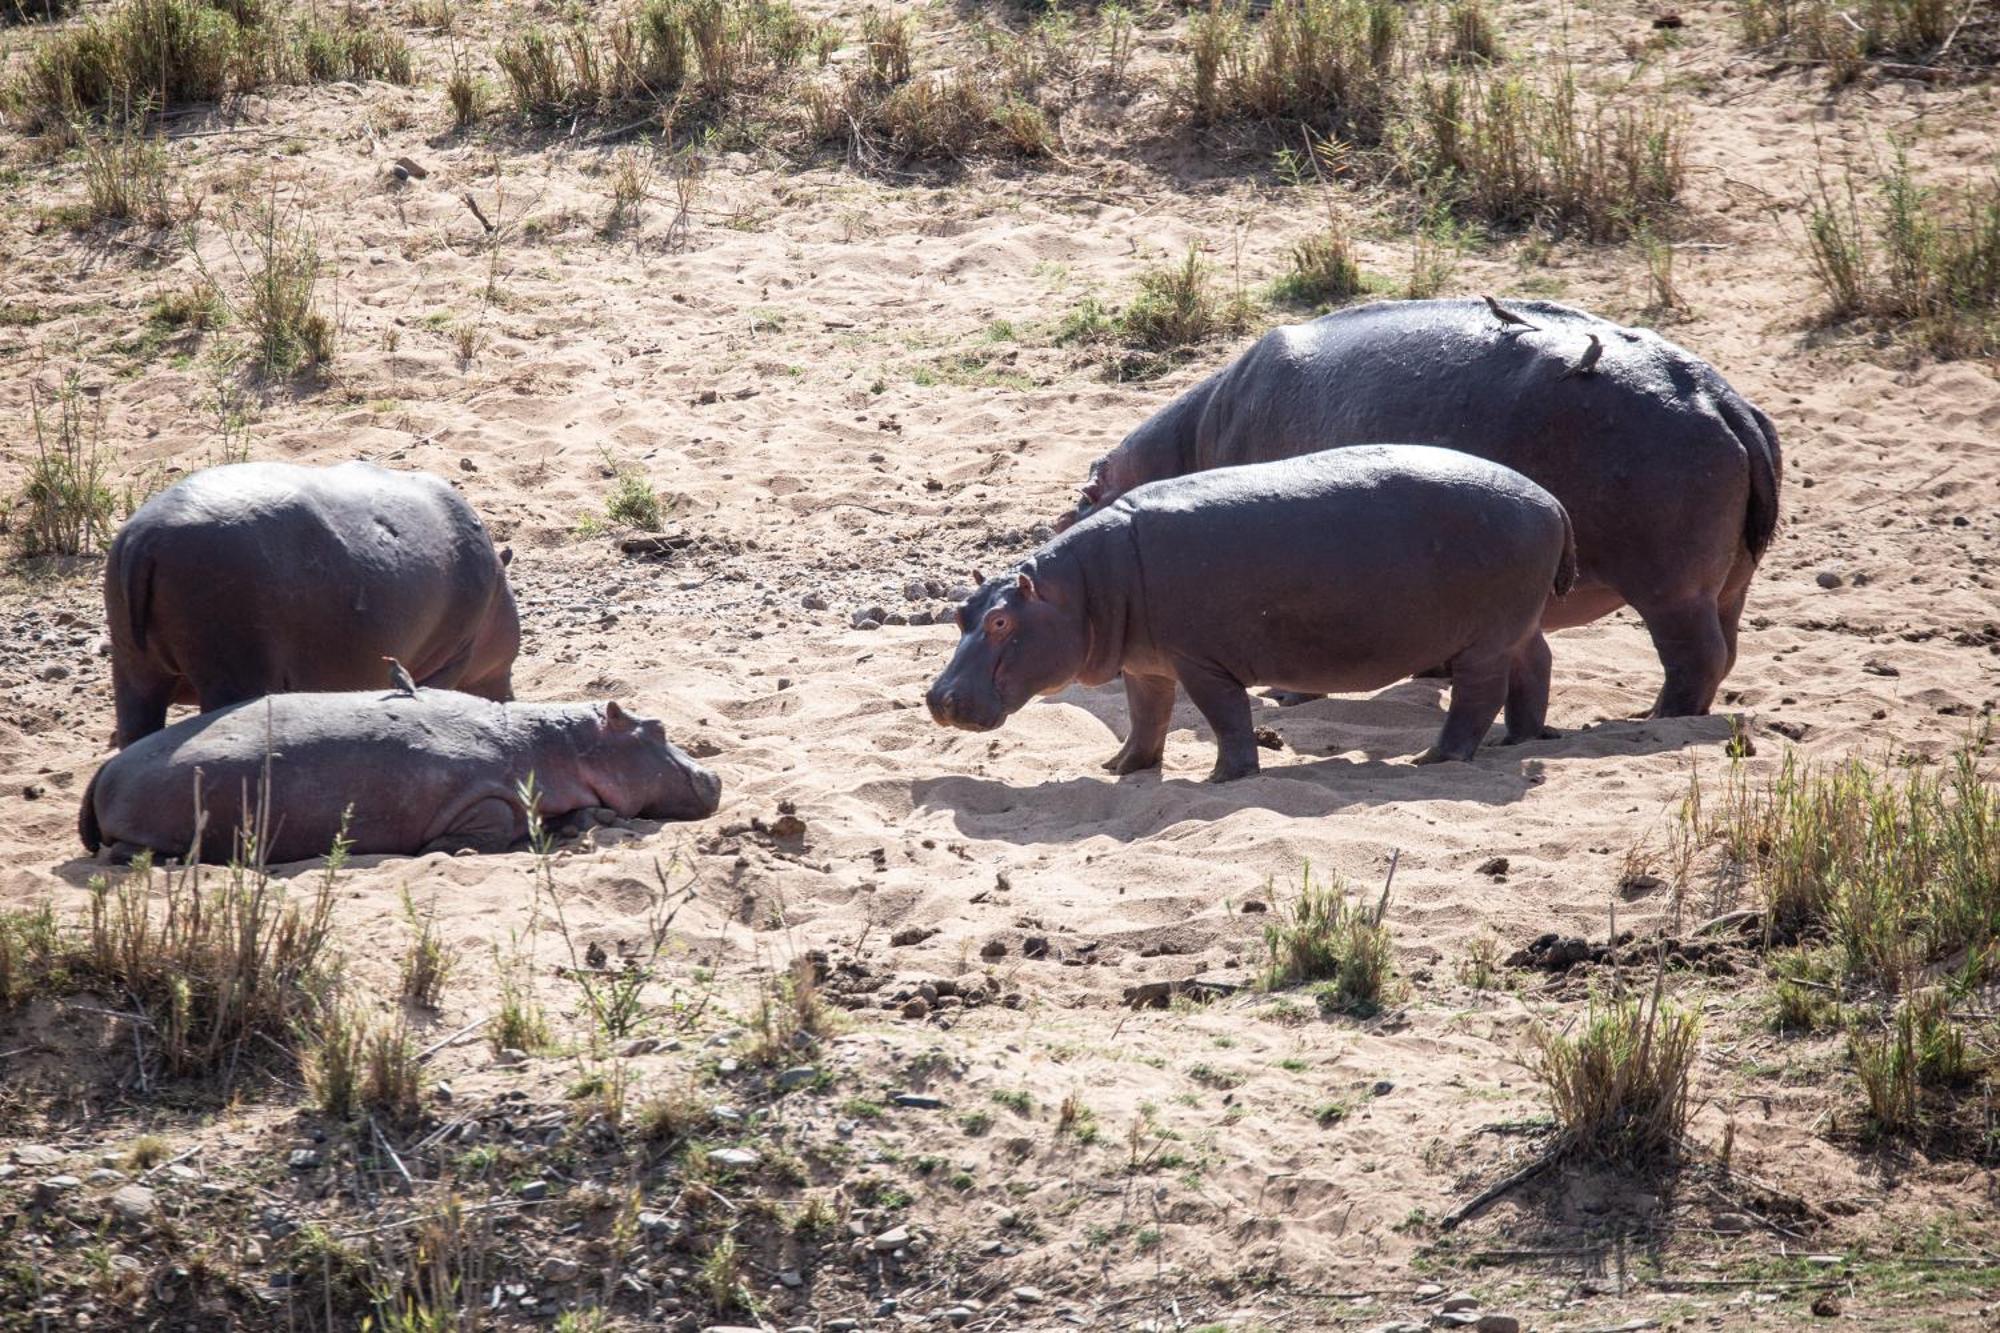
pixel 404 774
pixel 260 578
pixel 1337 571
pixel 1669 475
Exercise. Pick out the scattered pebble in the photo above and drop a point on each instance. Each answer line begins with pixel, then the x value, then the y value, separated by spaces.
pixel 918 1101
pixel 734 1159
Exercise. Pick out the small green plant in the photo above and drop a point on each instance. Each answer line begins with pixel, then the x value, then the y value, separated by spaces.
pixel 721 1277
pixel 1016 1100
pixel 633 502
pixel 1324 937
pixel 1481 968
pixel 1177 306
pixel 521 1023
pixel 1802 994
pixel 791 1014
pixel 1619 1087
pixel 428 962
pixel 276 246
pixel 1076 1120
pixel 633 172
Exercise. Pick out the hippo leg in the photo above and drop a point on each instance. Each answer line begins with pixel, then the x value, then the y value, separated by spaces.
pixel 1695 651
pixel 491 824
pixel 1149 700
pixel 1729 607
pixel 140 699
pixel 1226 705
pixel 1478 689
pixel 1528 693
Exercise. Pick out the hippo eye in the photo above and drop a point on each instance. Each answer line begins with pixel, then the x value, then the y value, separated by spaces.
pixel 999 623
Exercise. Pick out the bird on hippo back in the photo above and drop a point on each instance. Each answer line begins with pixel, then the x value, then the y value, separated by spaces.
pixel 1670 476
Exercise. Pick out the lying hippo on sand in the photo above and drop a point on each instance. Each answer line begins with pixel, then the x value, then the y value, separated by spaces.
pixel 1344 570
pixel 1669 475
pixel 262 578
pixel 436 771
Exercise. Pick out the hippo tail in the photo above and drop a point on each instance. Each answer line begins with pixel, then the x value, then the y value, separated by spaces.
pixel 86 818
pixel 129 573
pixel 1566 563
pixel 1760 442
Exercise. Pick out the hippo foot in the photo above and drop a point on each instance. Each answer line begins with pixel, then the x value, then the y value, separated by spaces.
pixel 1122 763
pixel 1436 756
pixel 1229 773
pixel 1545 734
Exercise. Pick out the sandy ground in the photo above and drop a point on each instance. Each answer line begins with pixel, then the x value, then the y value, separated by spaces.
pixel 788 381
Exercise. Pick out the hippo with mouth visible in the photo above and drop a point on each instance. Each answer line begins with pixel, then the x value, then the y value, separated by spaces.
pixel 263 578
pixel 434 771
pixel 1338 571
pixel 1670 476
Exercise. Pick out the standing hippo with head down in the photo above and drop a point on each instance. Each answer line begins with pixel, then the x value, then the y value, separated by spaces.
pixel 261 578
pixel 1343 570
pixel 1669 475
pixel 404 774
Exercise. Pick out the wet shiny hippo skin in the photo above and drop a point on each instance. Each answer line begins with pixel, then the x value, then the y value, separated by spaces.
pixel 437 770
pixel 1669 475
pixel 262 578
pixel 1338 571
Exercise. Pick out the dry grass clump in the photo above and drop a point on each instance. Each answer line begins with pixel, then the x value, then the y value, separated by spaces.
pixel 1904 1067
pixel 65 505
pixel 1898 871
pixel 364 1066
pixel 1334 942
pixel 1845 38
pixel 661 52
pixel 1619 1087
pixel 1914 255
pixel 1518 152
pixel 1333 64
pixel 159 54
pixel 125 177
pixel 214 965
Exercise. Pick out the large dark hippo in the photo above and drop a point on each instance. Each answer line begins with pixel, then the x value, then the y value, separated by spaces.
pixel 436 770
pixel 260 578
pixel 1343 570
pixel 1669 475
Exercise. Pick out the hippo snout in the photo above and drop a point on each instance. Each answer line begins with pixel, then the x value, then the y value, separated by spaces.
pixel 707 789
pixel 951 708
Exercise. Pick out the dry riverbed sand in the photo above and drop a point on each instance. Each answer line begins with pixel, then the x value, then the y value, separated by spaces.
pixel 846 390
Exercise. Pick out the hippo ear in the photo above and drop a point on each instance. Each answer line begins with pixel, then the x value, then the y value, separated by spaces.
pixel 1026 586
pixel 617 718
pixel 978 579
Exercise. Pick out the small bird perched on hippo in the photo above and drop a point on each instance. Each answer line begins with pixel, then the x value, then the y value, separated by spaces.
pixel 435 771
pixel 1669 475
pixel 255 578
pixel 1343 570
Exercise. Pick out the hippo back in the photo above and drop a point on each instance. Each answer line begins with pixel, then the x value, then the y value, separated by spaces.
pixel 1652 432
pixel 255 578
